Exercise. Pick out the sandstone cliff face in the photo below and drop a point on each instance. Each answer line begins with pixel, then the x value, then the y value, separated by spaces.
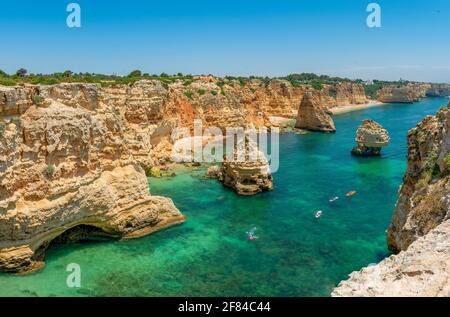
pixel 420 227
pixel 64 163
pixel 370 138
pixel 424 198
pixel 313 115
pixel 404 94
pixel 350 94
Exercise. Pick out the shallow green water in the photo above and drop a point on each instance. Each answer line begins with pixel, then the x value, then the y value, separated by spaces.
pixel 294 255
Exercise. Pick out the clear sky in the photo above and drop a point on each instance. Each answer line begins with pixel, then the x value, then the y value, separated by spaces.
pixel 230 37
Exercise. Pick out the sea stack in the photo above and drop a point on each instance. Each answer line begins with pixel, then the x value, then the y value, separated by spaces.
pixel 246 170
pixel 370 138
pixel 313 115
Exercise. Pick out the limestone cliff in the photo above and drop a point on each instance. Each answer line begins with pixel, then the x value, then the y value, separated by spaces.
pixel 420 227
pixel 424 198
pixel 313 115
pixel 350 94
pixel 439 90
pixel 403 94
pixel 422 270
pixel 65 163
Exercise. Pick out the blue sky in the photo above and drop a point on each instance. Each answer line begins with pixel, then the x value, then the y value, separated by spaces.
pixel 230 37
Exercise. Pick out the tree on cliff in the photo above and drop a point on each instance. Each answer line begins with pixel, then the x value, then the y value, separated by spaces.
pixel 135 73
pixel 21 72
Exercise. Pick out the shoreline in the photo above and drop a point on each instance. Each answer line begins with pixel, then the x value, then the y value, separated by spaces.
pixel 353 107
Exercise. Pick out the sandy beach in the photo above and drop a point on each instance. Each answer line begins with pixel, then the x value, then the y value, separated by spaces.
pixel 350 108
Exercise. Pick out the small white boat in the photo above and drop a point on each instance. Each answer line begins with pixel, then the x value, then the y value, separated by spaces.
pixel 333 199
pixel 319 214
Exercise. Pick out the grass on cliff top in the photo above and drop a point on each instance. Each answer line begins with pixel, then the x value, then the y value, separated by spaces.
pixel 314 80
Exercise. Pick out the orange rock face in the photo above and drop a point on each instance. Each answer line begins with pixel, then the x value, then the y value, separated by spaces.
pixel 313 115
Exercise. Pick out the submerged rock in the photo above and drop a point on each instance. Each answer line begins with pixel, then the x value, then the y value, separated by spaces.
pixel 313 115
pixel 370 138
pixel 247 169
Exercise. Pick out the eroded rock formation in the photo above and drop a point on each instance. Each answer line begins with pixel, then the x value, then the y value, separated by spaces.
pixel 313 115
pixel 370 138
pixel 424 198
pixel 422 270
pixel 246 169
pixel 65 162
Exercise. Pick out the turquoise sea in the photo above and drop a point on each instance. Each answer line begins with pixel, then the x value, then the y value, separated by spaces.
pixel 294 255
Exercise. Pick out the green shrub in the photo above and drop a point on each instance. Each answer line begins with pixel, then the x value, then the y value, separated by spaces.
pixel 187 83
pixel 37 100
pixel 189 95
pixel 447 161
pixel 44 80
pixel 201 92
pixel 48 170
pixel 213 92
pixel 7 81
pixel 317 84
pixel 135 73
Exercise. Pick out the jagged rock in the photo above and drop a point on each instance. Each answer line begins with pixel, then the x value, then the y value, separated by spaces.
pixel 312 114
pixel 213 172
pixel 370 138
pixel 65 166
pixel 424 198
pixel 246 169
pixel 422 270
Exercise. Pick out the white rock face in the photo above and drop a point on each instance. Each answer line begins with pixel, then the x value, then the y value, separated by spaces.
pixel 422 270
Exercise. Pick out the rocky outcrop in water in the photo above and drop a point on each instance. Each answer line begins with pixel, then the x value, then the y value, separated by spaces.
pixel 370 138
pixel 420 226
pixel 246 169
pixel 313 115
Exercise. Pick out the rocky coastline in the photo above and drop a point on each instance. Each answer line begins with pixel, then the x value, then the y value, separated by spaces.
pixel 420 227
